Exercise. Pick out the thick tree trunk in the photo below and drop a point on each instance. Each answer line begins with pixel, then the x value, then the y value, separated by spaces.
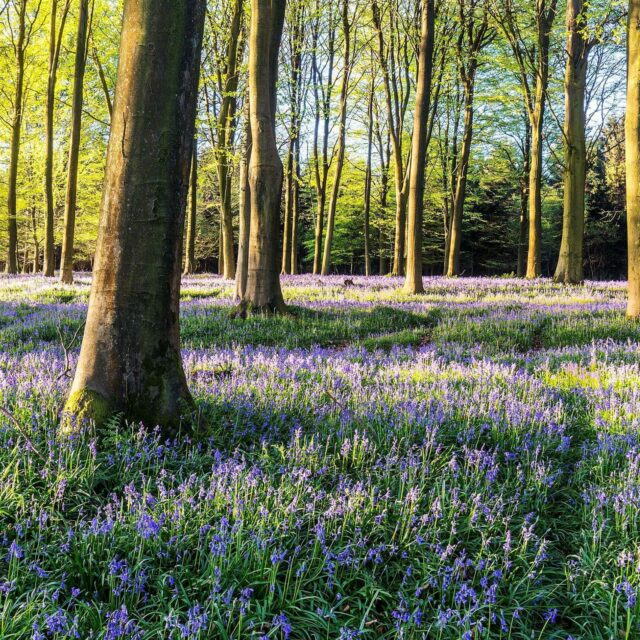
pixel 342 135
pixel 225 143
pixel 16 131
pixel 455 233
pixel 569 269
pixel 413 283
pixel 244 230
pixel 190 249
pixel 263 292
pixel 632 128
pixel 55 43
pixel 130 359
pixel 66 265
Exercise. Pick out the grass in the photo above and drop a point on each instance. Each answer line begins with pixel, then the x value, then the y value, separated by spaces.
pixel 459 465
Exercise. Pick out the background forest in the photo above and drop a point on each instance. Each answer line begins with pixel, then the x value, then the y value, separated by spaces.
pixel 345 67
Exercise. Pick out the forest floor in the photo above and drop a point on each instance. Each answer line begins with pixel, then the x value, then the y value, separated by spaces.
pixel 463 464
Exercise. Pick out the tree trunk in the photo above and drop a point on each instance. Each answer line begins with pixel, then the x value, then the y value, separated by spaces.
pixel 226 125
pixel 536 114
pixel 288 210
pixel 524 201
pixel 342 134
pixel 16 131
pixel 569 269
pixel 368 179
pixel 66 265
pixel 296 209
pixel 322 116
pixel 130 359
pixel 55 43
pixel 245 211
pixel 413 283
pixel 632 128
pixel 190 253
pixel 263 292
pixel 455 234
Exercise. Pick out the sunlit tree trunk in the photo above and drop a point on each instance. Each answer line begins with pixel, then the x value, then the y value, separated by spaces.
pixel 66 265
pixel 16 132
pixel 225 142
pixel 244 229
pixel 130 359
pixel 190 249
pixel 632 129
pixel 569 269
pixel 342 135
pixel 263 292
pixel 55 42
pixel 413 283
pixel 524 200
pixel 368 180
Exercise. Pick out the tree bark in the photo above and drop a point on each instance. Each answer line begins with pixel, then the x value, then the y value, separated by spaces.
pixel 632 129
pixel 322 117
pixel 55 43
pixel 342 134
pixel 570 262
pixel 413 283
pixel 524 200
pixel 16 131
pixel 66 265
pixel 226 126
pixel 263 293
pixel 130 359
pixel 244 230
pixel 190 265
pixel 368 180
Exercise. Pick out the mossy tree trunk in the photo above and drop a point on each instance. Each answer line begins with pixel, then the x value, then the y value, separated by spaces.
pixel 56 33
pixel 632 128
pixel 66 265
pixel 130 359
pixel 570 262
pixel 413 283
pixel 263 293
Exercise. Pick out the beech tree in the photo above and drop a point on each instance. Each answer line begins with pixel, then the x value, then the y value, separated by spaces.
pixel 413 283
pixel 55 43
pixel 632 136
pixel 66 266
pixel 130 359
pixel 263 293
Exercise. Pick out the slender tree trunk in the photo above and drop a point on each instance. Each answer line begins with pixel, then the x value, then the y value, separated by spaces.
pixel 544 23
pixel 103 82
pixel 16 131
pixel 342 134
pixel 413 283
pixel 190 253
pixel 288 210
pixel 66 266
pixel 524 201
pixel 245 211
pixel 226 126
pixel 263 292
pixel 368 179
pixel 296 209
pixel 455 235
pixel 632 128
pixel 570 263
pixel 55 43
pixel 130 359
pixel 322 118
